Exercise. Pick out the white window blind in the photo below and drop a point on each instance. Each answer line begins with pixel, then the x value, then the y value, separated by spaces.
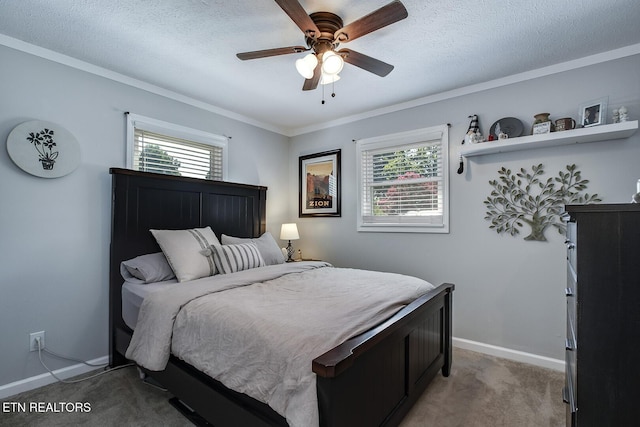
pixel 403 181
pixel 161 147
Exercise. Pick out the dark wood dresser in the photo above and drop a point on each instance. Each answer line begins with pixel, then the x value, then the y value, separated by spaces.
pixel 602 374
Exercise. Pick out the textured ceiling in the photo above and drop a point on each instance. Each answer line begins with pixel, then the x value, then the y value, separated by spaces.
pixel 189 47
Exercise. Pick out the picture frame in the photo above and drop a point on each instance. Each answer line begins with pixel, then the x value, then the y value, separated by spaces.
pixel 593 113
pixel 319 185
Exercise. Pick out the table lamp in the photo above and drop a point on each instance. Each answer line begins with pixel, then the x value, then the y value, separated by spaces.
pixel 289 232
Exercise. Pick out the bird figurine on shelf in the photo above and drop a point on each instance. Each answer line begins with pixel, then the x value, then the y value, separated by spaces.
pixel 622 114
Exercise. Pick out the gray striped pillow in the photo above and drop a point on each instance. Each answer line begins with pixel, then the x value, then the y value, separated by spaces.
pixel 232 258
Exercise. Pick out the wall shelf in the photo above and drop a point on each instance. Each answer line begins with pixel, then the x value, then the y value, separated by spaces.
pixel 553 139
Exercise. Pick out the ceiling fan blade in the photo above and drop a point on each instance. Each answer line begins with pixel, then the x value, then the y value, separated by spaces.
pixel 297 13
pixel 365 62
pixel 271 52
pixel 386 15
pixel 312 83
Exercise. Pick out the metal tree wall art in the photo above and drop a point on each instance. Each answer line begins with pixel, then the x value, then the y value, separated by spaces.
pixel 527 198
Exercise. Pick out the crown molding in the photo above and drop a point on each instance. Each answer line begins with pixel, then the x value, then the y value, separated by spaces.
pixel 467 90
pixel 291 132
pixel 130 81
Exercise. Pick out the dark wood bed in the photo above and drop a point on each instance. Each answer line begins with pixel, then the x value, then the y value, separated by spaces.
pixel 370 380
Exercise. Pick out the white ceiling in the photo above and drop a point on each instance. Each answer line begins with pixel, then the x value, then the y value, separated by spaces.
pixel 189 46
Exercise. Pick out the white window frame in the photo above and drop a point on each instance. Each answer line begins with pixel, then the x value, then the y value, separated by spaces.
pixel 430 135
pixel 135 121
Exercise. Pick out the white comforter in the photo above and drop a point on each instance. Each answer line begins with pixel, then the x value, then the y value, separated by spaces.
pixel 257 331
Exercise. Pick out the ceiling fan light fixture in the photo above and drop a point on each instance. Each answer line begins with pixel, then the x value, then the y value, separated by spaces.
pixel 332 63
pixel 323 32
pixel 307 65
pixel 325 79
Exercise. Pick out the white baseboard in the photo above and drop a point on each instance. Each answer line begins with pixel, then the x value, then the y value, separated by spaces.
pixel 506 353
pixel 32 383
pixel 42 380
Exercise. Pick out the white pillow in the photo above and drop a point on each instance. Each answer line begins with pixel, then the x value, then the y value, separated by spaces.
pixel 232 258
pixel 266 244
pixel 187 251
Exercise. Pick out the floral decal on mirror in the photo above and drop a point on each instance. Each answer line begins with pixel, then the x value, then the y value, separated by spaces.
pixel 43 149
pixel 43 143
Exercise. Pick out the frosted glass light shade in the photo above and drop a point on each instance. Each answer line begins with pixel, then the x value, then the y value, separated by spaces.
pixel 325 79
pixel 289 232
pixel 307 65
pixel 332 63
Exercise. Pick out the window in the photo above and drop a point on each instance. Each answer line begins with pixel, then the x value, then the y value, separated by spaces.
pixel 403 181
pixel 161 147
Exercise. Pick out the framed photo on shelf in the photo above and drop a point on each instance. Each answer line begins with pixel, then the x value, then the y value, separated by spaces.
pixel 593 113
pixel 319 189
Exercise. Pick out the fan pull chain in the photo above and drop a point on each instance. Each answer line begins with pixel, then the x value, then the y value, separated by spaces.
pixel 333 91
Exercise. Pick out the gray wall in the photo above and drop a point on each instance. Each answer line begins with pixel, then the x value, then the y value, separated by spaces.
pixel 55 233
pixel 509 292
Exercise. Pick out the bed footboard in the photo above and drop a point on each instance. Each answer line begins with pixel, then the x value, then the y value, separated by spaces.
pixel 375 378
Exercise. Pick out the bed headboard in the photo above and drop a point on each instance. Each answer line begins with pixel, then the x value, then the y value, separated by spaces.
pixel 144 200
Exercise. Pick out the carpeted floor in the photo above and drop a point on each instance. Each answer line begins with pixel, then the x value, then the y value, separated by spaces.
pixel 481 391
pixel 485 391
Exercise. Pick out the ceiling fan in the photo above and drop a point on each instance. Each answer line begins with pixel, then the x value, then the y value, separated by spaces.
pixel 324 31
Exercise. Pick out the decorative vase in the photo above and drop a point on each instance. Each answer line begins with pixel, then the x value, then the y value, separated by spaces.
pixel 542 118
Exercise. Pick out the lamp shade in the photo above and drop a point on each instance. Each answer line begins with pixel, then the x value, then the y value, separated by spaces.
pixel 307 65
pixel 289 232
pixel 325 79
pixel 332 63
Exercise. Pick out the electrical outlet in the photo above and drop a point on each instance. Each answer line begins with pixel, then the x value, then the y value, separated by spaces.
pixel 33 344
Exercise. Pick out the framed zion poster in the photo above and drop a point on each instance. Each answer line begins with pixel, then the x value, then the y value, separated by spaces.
pixel 320 184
